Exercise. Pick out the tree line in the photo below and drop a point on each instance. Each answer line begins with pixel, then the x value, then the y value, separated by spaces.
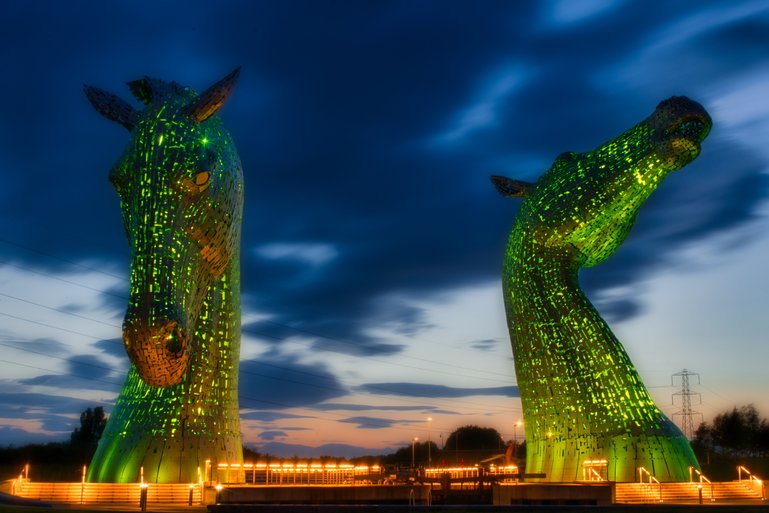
pixel 739 433
pixel 736 434
pixel 57 461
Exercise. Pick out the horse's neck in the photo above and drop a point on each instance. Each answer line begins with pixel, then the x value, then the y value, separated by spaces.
pixel 546 301
pixel 218 324
pixel 564 351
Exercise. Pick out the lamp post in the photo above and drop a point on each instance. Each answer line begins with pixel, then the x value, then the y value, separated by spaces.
pixel 143 496
pixel 429 454
pixel 413 446
pixel 515 437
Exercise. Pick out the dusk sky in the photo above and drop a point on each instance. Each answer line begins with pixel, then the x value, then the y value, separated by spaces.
pixel 372 236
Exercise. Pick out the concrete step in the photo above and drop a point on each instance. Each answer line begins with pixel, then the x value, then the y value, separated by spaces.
pixel 640 493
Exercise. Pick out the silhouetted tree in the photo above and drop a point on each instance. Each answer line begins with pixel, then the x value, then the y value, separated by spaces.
pixel 403 455
pixel 736 433
pixel 57 461
pixel 474 438
pixel 92 424
pixel 251 454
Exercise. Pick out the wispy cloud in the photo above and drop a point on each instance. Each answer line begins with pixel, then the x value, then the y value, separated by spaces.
pixel 486 344
pixel 367 407
pixel 311 253
pixel 565 12
pixel 428 390
pixel 371 422
pixel 483 110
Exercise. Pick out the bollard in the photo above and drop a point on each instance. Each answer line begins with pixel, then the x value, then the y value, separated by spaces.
pixel 189 501
pixel 143 497
pixel 699 489
pixel 218 492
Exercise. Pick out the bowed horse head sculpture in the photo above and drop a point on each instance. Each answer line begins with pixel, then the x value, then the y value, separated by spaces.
pixel 582 398
pixel 180 185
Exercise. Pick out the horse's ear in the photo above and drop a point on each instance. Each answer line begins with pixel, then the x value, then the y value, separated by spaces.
pixel 212 98
pixel 511 188
pixel 111 107
pixel 142 89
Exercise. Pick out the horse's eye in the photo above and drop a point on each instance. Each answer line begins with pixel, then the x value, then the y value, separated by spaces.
pixel 197 183
pixel 202 178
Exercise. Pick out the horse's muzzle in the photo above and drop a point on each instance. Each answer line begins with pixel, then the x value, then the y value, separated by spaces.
pixel 160 352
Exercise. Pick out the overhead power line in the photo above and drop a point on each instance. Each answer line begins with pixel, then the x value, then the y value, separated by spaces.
pixel 483 373
pixel 63 260
pixel 246 402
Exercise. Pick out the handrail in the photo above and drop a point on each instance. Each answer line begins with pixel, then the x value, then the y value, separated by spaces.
pixel 597 475
pixel 642 471
pixel 702 478
pixel 753 480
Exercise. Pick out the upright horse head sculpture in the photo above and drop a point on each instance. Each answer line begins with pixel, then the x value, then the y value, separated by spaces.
pixel 180 184
pixel 582 398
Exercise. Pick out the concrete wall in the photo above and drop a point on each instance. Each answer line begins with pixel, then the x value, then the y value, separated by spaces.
pixel 323 494
pixel 553 493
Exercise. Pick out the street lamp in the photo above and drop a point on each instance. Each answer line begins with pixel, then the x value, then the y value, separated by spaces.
pixel 413 445
pixel 515 438
pixel 429 454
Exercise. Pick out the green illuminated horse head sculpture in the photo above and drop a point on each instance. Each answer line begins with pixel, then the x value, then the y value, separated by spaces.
pixel 583 401
pixel 180 184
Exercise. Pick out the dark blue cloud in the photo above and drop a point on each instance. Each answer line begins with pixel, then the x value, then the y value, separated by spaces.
pixel 279 383
pixel 486 344
pixel 272 435
pixel 13 436
pixel 45 346
pixel 276 333
pixel 365 407
pixel 371 422
pixel 115 299
pixel 22 401
pixel 269 416
pixel 56 414
pixel 618 310
pixel 80 372
pixel 113 347
pixel 427 390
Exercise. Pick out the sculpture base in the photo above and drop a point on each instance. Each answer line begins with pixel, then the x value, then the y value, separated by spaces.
pixel 667 458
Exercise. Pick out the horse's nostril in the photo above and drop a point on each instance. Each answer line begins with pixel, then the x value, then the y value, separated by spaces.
pixel 160 352
pixel 174 342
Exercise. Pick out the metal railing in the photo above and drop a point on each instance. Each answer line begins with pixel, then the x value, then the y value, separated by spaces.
pixel 753 481
pixel 702 479
pixel 652 479
pixel 594 470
